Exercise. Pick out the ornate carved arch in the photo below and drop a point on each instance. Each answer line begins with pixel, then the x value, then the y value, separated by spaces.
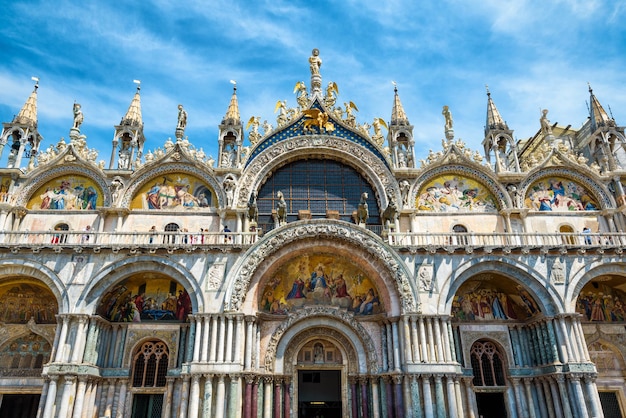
pixel 244 270
pixel 543 293
pixel 599 192
pixel 296 343
pixel 50 173
pixel 115 272
pixel 343 320
pixel 167 168
pixel 364 160
pixel 483 178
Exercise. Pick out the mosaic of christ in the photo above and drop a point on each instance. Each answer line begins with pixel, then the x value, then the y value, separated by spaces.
pixel 320 279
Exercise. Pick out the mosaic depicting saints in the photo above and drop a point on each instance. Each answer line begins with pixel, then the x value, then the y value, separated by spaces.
pixel 173 192
pixel 479 300
pixel 601 302
pixel 455 194
pixel 19 302
pixel 138 299
pixel 320 279
pixel 68 193
pixel 559 194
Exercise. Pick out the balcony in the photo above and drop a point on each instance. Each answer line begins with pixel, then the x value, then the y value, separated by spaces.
pixel 153 241
pixel 229 241
pixel 471 241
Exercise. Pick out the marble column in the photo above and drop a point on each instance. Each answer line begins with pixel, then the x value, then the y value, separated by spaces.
pixel 49 410
pixel 77 348
pixel 472 408
pixel 68 386
pixel 592 396
pixel 431 341
pixel 556 399
pixel 234 405
pixel 445 330
pixel 80 397
pixel 194 396
pixel 396 346
pixel 439 397
pixel 247 396
pixel 375 397
pixel 255 397
pixel 62 337
pixel 121 402
pixel 398 396
pixel 547 394
pixel 579 399
pixel 415 341
pixel 422 342
pixel 416 401
pixel 108 403
pixel 169 396
pixel 247 362
pixel 287 398
pixel 267 397
pixel 541 401
pixel 428 397
pixel 238 334
pixel 460 408
pixel 278 382
pixel 438 342
pixel 353 397
pixel 520 406
pixel 221 346
pixel 207 400
pixel 199 345
pixel 567 410
pixel 213 349
pixel 220 397
pixel 184 398
pixel 452 411
pixel 228 348
pixel 408 351
pixel 529 398
pixel 364 397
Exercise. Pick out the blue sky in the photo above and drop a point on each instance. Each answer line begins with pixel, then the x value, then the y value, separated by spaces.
pixel 532 54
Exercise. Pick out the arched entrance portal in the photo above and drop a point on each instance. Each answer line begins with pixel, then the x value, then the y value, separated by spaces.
pixel 323 353
pixel 320 377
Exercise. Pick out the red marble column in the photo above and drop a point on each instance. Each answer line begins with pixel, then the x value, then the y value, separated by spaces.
pixel 399 399
pixel 353 397
pixel 255 398
pixel 247 402
pixel 389 395
pixel 364 397
pixel 278 382
pixel 287 398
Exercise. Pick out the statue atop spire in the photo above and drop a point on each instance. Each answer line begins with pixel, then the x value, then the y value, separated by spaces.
pixel 315 62
pixel 449 122
pixel 182 122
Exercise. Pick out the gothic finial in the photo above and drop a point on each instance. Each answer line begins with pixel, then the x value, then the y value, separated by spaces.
pixel 488 92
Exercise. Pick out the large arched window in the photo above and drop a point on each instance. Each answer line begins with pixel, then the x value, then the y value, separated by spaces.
pixel 487 364
pixel 319 186
pixel 150 364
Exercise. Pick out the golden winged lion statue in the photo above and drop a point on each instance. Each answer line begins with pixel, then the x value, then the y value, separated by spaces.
pixel 319 119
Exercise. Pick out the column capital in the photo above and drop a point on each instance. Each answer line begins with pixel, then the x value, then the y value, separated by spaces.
pixel 268 379
pixel 208 376
pixel 69 379
pixel 250 318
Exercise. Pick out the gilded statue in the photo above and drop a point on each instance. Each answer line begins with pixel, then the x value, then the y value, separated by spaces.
pixel 448 117
pixel 315 62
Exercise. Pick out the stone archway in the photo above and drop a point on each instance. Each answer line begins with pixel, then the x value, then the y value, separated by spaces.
pixel 333 234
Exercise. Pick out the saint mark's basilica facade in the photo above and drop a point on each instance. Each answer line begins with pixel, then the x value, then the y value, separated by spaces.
pixel 315 268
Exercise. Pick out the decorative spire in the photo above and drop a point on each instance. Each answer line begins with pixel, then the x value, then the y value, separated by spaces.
pixel 232 114
pixel 494 120
pixel 599 117
pixel 28 113
pixel 398 117
pixel 133 115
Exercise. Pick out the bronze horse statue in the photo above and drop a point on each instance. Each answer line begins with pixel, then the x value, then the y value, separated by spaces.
pixel 362 212
pixel 390 214
pixel 281 208
pixel 253 210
